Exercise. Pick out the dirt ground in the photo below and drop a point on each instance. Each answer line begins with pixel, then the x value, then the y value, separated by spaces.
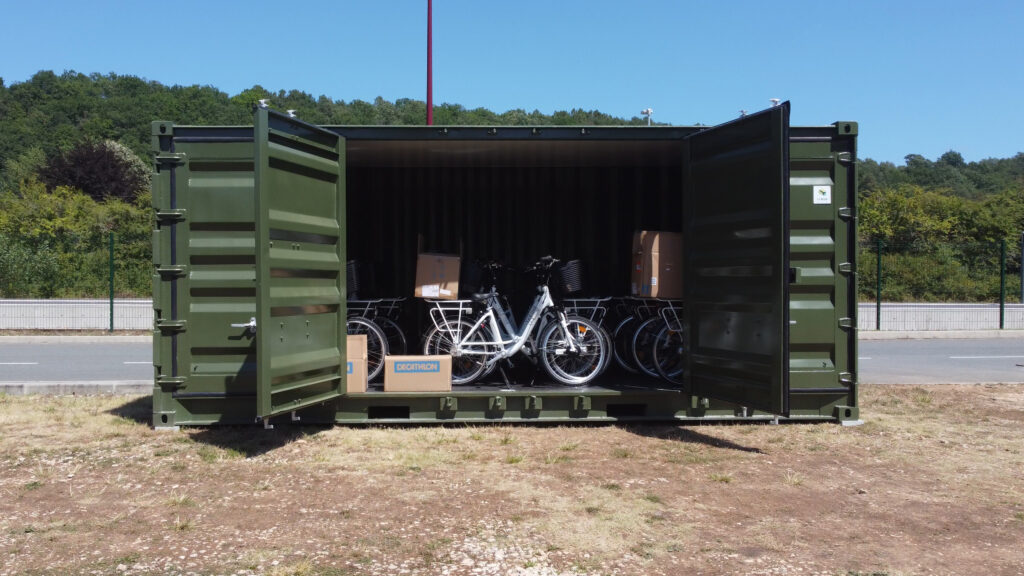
pixel 932 483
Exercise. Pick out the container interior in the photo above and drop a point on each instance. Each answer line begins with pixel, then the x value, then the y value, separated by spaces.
pixel 511 201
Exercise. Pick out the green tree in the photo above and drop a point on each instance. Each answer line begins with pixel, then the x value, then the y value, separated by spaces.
pixel 104 169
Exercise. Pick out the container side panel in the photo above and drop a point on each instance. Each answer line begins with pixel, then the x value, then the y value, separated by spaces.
pixel 736 269
pixel 300 239
pixel 823 292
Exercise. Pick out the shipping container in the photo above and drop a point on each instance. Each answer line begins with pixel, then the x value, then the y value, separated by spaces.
pixel 254 226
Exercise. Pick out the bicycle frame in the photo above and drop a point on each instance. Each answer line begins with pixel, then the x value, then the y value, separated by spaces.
pixel 488 324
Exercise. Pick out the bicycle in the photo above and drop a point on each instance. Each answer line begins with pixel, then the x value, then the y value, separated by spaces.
pixel 632 314
pixel 362 319
pixel 670 344
pixel 569 348
pixel 593 309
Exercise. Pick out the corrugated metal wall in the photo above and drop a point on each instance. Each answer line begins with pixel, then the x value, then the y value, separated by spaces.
pixel 510 214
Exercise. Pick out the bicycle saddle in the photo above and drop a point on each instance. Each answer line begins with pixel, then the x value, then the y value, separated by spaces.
pixel 480 296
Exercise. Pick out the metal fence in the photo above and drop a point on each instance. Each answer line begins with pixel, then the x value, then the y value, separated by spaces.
pixel 902 287
pixel 917 286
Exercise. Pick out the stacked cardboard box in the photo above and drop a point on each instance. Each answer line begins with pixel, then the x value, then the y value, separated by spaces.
pixel 437 276
pixel 355 347
pixel 657 267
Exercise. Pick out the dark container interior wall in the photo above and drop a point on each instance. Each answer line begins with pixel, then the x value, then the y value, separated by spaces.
pixel 512 213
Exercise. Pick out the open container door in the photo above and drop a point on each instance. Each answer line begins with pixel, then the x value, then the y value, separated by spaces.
pixel 300 251
pixel 736 271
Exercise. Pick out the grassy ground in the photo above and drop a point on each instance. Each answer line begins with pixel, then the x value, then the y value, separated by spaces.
pixel 933 482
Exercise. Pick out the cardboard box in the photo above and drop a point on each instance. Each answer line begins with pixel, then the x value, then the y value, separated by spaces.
pixel 355 352
pixel 355 347
pixel 355 380
pixel 417 373
pixel 437 276
pixel 657 264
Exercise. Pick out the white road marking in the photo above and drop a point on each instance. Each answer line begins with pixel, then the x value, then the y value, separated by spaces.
pixel 865 358
pixel 19 363
pixel 981 357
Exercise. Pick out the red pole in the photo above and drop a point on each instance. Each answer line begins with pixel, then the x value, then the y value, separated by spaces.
pixel 430 71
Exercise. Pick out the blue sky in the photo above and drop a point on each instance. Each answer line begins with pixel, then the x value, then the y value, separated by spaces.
pixel 920 77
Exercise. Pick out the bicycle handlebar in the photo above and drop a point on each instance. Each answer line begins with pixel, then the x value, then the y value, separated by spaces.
pixel 545 263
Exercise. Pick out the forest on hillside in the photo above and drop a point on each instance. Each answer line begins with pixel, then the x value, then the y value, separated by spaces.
pixel 75 164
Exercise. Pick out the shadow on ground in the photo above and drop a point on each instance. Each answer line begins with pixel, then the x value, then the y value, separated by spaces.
pixel 252 441
pixel 138 410
pixel 686 434
pixel 249 440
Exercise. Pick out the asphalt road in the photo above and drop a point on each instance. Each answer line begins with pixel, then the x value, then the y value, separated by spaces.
pixel 881 362
pixel 941 361
pixel 84 367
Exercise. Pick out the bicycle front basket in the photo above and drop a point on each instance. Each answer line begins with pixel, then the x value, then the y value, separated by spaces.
pixel 570 277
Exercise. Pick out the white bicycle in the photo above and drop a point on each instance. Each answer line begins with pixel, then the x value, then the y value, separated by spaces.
pixel 570 348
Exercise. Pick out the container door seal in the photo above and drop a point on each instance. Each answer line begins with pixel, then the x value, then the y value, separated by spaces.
pixel 300 254
pixel 736 271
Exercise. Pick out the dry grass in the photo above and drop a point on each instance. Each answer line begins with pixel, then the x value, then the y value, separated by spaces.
pixel 931 482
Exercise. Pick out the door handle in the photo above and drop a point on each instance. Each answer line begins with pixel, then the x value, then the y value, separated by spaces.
pixel 250 325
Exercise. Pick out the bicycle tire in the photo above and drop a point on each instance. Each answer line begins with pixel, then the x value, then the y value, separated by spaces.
pixel 608 347
pixel 397 344
pixel 642 345
pixel 376 344
pixel 573 369
pixel 465 369
pixel 621 340
pixel 669 360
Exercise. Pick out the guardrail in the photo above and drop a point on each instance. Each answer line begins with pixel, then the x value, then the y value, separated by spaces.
pixel 85 314
pixel 137 314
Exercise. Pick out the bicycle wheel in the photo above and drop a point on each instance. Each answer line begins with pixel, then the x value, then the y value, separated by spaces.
pixel 642 346
pixel 394 335
pixel 466 368
pixel 376 344
pixel 568 367
pixel 608 348
pixel 621 339
pixel 668 355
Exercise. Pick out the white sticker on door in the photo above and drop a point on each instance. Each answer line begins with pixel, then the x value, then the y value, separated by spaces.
pixel 822 194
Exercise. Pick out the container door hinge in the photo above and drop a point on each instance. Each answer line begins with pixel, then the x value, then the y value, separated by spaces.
pixel 846 268
pixel 449 404
pixel 846 323
pixel 172 271
pixel 846 378
pixel 167 327
pixel 846 213
pixel 171 159
pixel 170 383
pixel 170 216
pixel 844 158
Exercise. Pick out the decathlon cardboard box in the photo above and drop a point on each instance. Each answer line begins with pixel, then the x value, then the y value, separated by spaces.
pixel 437 276
pixel 355 352
pixel 417 373
pixel 657 264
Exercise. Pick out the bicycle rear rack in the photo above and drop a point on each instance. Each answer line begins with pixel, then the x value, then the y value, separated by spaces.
pixel 447 315
pixel 592 309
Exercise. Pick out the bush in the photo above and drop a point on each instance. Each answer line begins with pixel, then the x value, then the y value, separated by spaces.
pixel 101 169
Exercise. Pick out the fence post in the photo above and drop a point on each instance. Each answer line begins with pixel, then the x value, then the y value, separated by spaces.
pixel 1002 283
pixel 111 281
pixel 878 285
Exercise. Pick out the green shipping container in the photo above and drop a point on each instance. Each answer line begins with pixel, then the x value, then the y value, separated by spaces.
pixel 254 226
